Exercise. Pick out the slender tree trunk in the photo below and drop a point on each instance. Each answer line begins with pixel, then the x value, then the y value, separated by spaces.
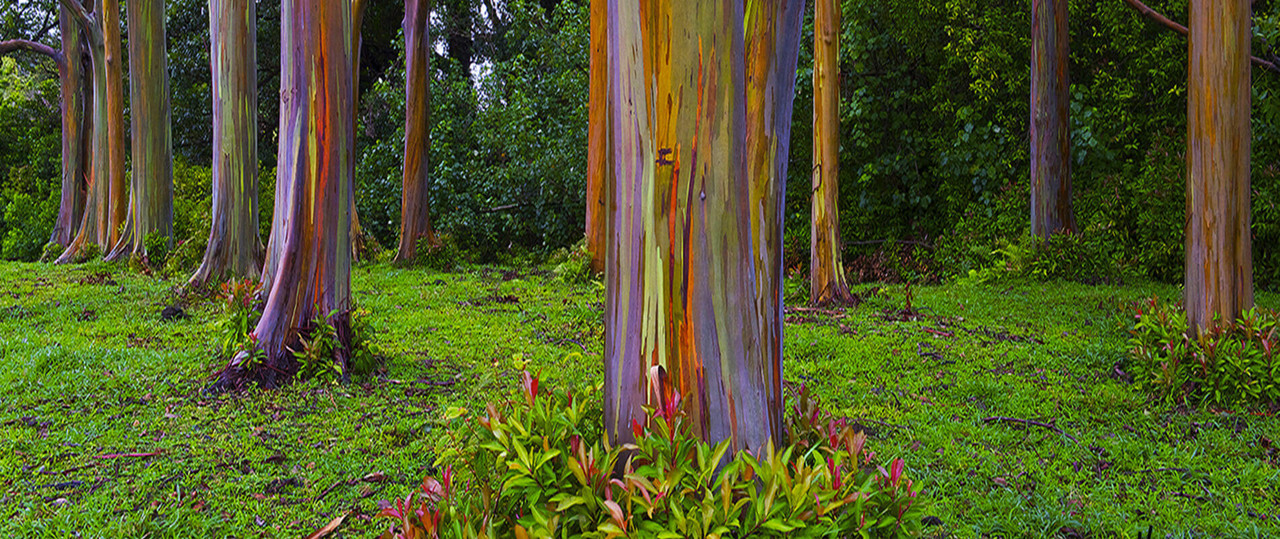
pixel 75 140
pixel 234 248
pixel 311 276
pixel 598 148
pixel 772 45
pixel 107 200
pixel 1050 122
pixel 826 268
pixel 151 196
pixel 357 39
pixel 415 215
pixel 1219 280
pixel 682 294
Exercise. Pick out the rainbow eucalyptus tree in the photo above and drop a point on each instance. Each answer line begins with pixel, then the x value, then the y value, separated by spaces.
pixel 357 39
pixel 1050 125
pixel 234 248
pixel 598 149
pixel 307 276
pixel 415 212
pixel 827 282
pixel 700 115
pixel 75 133
pixel 1219 269
pixel 151 195
pixel 107 199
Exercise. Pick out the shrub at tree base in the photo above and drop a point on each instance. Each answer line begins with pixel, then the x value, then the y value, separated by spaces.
pixel 1227 364
pixel 529 469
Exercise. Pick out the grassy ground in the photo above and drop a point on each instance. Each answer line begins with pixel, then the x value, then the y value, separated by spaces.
pixel 92 371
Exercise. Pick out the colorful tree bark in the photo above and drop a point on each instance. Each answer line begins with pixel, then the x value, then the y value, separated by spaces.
pixel 357 38
pixel 105 206
pixel 415 213
pixel 1219 272
pixel 75 135
pixel 682 295
pixel 150 208
pixel 598 149
pixel 1050 124
pixel 827 282
pixel 234 249
pixel 309 274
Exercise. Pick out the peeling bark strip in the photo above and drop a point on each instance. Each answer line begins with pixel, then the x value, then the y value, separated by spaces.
pixel 1219 273
pixel 598 148
pixel 150 207
pixel 107 197
pixel 234 249
pixel 415 213
pixel 826 268
pixel 682 264
pixel 309 274
pixel 1050 123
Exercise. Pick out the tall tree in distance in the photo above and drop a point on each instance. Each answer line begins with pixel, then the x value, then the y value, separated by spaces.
pixel 415 213
pixel 1050 124
pixel 682 312
pixel 1219 268
pixel 234 247
pixel 107 199
pixel 307 276
pixel 75 133
pixel 151 195
pixel 826 269
pixel 598 149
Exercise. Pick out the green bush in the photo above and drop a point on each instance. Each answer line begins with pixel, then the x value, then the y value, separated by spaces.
pixel 573 264
pixel 51 251
pixel 157 246
pixel 1231 363
pixel 439 255
pixel 531 469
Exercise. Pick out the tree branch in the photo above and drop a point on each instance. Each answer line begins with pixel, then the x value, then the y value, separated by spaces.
pixel 1170 24
pixel 33 46
pixel 86 20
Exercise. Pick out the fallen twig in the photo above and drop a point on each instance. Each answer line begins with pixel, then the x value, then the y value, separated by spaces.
pixel 937 332
pixel 828 312
pixel 125 455
pixel 1049 426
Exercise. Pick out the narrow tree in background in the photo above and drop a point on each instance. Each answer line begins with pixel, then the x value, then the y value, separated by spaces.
pixel 598 149
pixel 1219 272
pixel 107 200
pixel 415 213
pixel 75 133
pixel 1050 124
pixel 357 40
pixel 308 272
pixel 234 248
pixel 151 195
pixel 826 269
pixel 682 294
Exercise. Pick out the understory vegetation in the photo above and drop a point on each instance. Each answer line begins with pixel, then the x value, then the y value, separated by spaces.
pixel 1014 406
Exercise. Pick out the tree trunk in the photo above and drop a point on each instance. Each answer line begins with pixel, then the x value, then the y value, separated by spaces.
pixel 826 268
pixel 1219 279
pixel 234 249
pixel 1050 122
pixel 151 196
pixel 75 135
pixel 682 294
pixel 598 148
pixel 415 215
pixel 357 40
pixel 772 45
pixel 105 207
pixel 309 276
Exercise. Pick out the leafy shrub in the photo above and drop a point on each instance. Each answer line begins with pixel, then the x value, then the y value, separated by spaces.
pixel 532 471
pixel 239 317
pixel 364 353
pixel 317 352
pixel 439 255
pixel 573 265
pixel 88 253
pixel 157 246
pixel 51 251
pixel 1074 257
pixel 1226 364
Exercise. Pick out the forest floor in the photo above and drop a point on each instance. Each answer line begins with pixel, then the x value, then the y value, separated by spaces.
pixel 104 430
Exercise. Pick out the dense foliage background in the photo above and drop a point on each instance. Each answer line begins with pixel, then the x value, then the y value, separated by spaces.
pixel 934 118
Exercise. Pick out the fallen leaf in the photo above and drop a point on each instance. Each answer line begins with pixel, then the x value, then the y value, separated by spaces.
pixel 375 477
pixel 329 528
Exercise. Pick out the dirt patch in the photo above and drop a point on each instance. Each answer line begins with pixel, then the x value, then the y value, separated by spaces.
pixel 100 278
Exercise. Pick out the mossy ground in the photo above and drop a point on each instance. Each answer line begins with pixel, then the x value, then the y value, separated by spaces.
pixel 92 371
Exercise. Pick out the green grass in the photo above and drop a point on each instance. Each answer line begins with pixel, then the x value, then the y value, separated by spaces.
pixel 91 371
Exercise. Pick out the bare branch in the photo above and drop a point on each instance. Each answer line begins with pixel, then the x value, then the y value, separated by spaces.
pixel 33 46
pixel 1170 24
